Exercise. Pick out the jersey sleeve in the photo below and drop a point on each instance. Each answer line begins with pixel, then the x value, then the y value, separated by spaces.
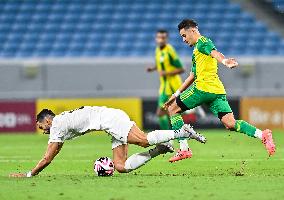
pixel 56 133
pixel 205 46
pixel 55 136
pixel 174 58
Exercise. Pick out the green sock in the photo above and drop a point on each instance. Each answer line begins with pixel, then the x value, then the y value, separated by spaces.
pixel 177 123
pixel 164 122
pixel 244 127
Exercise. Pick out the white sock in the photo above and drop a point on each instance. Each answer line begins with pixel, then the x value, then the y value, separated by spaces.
pixel 183 145
pixel 160 136
pixel 136 160
pixel 139 159
pixel 258 134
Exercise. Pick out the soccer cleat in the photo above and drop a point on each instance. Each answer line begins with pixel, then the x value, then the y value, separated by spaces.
pixel 165 147
pixel 192 134
pixel 267 140
pixel 180 155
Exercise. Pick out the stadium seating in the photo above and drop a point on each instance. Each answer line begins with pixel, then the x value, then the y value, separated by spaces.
pixel 278 5
pixel 76 28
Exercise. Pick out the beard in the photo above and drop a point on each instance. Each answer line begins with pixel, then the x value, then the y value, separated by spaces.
pixel 47 131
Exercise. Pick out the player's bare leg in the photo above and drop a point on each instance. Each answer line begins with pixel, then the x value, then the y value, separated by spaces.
pixel 177 122
pixel 124 165
pixel 159 138
pixel 229 121
pixel 181 153
pixel 120 153
pixel 164 123
pixel 138 137
pixel 119 157
pixel 242 126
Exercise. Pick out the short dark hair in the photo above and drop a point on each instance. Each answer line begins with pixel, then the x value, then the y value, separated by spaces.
pixel 45 112
pixel 163 31
pixel 187 23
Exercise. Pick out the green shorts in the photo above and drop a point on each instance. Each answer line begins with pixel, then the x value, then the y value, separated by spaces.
pixel 192 97
pixel 163 98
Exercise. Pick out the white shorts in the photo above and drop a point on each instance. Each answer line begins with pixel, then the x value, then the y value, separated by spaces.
pixel 118 124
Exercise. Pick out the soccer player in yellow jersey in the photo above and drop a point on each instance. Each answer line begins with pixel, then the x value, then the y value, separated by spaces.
pixel 207 88
pixel 169 67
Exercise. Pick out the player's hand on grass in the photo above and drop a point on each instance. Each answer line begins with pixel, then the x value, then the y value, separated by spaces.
pixel 17 175
pixel 230 63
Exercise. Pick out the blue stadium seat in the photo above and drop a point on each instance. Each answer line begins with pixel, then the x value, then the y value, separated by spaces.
pixel 278 5
pixel 50 37
pixel 126 27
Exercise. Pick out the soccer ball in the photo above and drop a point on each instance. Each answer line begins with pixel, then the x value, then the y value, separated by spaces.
pixel 104 167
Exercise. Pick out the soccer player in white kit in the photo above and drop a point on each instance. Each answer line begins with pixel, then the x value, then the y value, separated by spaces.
pixel 75 123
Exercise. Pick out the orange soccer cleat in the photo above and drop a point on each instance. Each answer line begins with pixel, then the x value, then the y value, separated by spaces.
pixel 180 155
pixel 267 140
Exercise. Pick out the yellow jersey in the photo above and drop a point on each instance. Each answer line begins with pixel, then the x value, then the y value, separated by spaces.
pixel 205 67
pixel 167 60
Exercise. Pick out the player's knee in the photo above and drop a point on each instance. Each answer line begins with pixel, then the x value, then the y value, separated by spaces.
pixel 172 109
pixel 138 137
pixel 121 169
pixel 160 112
pixel 143 143
pixel 229 121
pixel 230 124
pixel 119 166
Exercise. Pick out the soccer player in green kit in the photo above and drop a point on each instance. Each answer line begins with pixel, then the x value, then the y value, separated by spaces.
pixel 207 87
pixel 169 67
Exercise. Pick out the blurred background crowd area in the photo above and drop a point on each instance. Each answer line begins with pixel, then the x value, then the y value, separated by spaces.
pixel 58 53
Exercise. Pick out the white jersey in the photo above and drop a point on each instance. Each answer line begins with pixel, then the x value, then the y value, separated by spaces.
pixel 74 123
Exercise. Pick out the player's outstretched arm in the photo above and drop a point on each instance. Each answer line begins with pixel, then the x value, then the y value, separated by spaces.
pixel 52 150
pixel 228 62
pixel 188 81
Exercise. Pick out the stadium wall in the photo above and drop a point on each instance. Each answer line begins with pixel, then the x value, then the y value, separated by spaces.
pixel 17 116
pixel 64 84
pixel 263 112
pixel 125 77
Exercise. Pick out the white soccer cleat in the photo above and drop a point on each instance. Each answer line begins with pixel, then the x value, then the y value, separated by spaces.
pixel 192 134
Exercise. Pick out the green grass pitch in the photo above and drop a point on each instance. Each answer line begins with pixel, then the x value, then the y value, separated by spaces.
pixel 230 166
